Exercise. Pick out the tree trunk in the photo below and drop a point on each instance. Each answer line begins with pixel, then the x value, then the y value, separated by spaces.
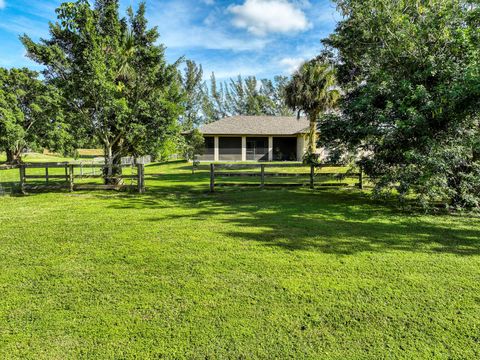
pixel 13 156
pixel 312 136
pixel 113 171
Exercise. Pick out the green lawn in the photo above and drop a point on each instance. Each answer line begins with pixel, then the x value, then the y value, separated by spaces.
pixel 243 273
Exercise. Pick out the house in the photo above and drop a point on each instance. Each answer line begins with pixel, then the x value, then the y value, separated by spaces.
pixel 257 138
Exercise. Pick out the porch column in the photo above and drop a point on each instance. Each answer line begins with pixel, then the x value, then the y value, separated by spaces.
pixel 244 148
pixel 300 147
pixel 216 156
pixel 270 148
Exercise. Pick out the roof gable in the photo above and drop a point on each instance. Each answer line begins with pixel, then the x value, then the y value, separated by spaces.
pixel 257 125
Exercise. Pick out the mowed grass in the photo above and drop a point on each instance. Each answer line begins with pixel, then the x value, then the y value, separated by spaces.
pixel 242 274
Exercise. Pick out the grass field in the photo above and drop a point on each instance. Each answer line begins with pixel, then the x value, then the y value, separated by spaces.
pixel 241 274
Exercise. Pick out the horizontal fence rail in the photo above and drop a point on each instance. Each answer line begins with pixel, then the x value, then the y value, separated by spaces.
pixel 228 171
pixel 72 172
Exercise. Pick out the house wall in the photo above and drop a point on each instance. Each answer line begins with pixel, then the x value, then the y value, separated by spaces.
pixel 236 148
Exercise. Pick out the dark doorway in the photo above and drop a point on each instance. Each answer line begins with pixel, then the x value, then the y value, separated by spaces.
pixel 285 148
pixel 257 148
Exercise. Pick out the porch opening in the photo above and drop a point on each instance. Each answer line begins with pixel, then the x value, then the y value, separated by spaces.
pixel 257 148
pixel 230 148
pixel 209 151
pixel 284 148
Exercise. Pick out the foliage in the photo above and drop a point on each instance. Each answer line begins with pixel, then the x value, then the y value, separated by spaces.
pixel 411 75
pixel 169 147
pixel 310 158
pixel 194 145
pixel 30 114
pixel 245 96
pixel 114 77
pixel 313 91
pixel 193 85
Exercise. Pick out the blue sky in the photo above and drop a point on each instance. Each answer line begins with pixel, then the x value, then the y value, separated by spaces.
pixel 247 37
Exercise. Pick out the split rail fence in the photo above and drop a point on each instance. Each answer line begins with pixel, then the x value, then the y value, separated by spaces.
pixel 65 175
pixel 219 171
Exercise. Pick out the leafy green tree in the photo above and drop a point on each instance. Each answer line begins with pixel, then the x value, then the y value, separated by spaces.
pixel 30 114
pixel 194 144
pixel 113 75
pixel 411 75
pixel 313 90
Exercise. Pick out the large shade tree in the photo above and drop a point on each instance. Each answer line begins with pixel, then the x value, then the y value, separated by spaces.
pixel 312 91
pixel 30 114
pixel 411 75
pixel 113 74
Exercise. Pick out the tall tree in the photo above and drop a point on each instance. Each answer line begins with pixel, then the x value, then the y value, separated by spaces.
pixel 313 90
pixel 30 114
pixel 276 91
pixel 192 83
pixel 410 72
pixel 115 79
pixel 246 96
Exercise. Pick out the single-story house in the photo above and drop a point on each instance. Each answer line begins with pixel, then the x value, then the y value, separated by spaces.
pixel 258 138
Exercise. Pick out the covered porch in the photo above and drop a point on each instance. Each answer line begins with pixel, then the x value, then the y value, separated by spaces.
pixel 253 148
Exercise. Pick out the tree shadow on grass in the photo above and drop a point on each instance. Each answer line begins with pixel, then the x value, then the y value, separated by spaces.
pixel 330 221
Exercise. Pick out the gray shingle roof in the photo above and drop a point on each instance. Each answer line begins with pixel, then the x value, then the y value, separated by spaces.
pixel 257 125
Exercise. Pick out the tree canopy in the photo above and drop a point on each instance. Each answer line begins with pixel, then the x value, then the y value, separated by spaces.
pixel 313 91
pixel 30 114
pixel 113 75
pixel 411 75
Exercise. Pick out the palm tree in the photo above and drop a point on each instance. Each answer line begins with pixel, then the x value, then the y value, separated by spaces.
pixel 313 90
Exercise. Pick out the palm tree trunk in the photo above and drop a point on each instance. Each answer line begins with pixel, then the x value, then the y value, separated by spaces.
pixel 312 135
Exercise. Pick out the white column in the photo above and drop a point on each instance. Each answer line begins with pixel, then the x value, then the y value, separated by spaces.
pixel 244 148
pixel 300 147
pixel 270 148
pixel 216 156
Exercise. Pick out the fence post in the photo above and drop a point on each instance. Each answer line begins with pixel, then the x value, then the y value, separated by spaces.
pixel 66 173
pixel 212 178
pixel 360 178
pixel 312 176
pixel 141 178
pixel 262 175
pixel 46 174
pixel 22 178
pixel 71 177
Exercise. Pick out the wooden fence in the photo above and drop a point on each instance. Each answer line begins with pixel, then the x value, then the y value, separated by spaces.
pixel 71 172
pixel 225 170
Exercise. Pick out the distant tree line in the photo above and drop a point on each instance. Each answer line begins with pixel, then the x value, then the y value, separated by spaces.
pixel 212 100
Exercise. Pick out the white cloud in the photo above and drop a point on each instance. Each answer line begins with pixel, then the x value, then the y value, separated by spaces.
pixel 3 4
pixel 23 25
pixel 291 64
pixel 261 17
pixel 179 29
